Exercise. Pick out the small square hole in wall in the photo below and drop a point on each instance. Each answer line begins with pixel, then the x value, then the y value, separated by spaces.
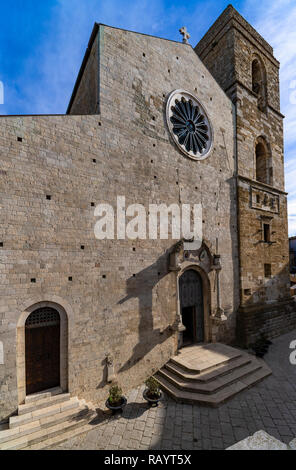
pixel 134 249
pixel 177 58
pixel 151 161
pixel 155 177
pixel 134 275
pixel 1 244
pixel 70 278
pixel 19 139
pixel 92 204
pixel 144 55
pixel 94 160
pixel 104 276
pixel 48 197
pixel 153 118
pixel 100 123
pixel 33 280
pixel 154 145
pixel 247 292
pixel 82 247
pixel 169 71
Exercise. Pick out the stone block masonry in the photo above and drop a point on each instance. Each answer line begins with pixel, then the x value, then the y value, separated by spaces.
pixel 119 296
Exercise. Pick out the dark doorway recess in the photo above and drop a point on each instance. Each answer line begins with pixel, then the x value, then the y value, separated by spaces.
pixel 192 307
pixel 42 342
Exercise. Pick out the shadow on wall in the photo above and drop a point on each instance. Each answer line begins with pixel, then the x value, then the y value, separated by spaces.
pixel 141 286
pixel 268 310
pixel 233 224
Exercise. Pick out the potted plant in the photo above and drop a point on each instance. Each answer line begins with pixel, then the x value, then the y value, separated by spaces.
pixel 152 393
pixel 116 401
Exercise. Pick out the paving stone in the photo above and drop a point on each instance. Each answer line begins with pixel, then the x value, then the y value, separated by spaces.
pixel 212 428
pixel 217 443
pixel 115 440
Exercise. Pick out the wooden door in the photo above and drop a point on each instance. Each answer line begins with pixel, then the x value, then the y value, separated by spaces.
pixel 192 306
pixel 42 339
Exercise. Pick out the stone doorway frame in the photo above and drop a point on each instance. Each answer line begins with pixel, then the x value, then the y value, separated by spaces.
pixel 206 291
pixel 21 350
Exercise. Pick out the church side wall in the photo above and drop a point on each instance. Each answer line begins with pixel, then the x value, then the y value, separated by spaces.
pixel 86 100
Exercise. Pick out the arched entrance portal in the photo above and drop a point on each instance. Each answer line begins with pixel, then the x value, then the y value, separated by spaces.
pixel 192 307
pixel 42 350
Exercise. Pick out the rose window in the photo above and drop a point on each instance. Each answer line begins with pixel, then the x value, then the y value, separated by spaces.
pixel 189 125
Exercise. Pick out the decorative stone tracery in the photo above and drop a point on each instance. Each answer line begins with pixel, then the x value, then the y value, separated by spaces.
pixel 204 262
pixel 189 125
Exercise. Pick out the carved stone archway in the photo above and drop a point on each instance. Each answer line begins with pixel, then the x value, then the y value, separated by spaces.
pixel 200 258
pixel 21 350
pixel 206 299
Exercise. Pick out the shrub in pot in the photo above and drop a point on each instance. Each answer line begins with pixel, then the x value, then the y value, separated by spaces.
pixel 152 393
pixel 116 401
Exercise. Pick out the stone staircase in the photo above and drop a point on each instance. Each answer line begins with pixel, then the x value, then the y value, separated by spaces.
pixel 45 420
pixel 210 374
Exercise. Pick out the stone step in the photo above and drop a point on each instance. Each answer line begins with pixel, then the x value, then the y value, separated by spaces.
pixel 44 394
pixel 41 423
pixel 206 376
pixel 42 435
pixel 217 398
pixel 42 403
pixel 214 385
pixel 205 358
pixel 53 442
pixel 39 413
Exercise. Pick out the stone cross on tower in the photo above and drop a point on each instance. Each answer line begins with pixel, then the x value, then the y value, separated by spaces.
pixel 185 34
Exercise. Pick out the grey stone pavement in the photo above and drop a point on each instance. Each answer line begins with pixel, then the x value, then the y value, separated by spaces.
pixel 269 406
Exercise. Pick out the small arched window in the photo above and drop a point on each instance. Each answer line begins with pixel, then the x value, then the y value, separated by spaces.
pixel 259 83
pixel 264 172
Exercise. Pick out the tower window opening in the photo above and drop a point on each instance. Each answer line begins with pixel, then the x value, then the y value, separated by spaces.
pixel 266 233
pixel 259 83
pixel 267 270
pixel 264 173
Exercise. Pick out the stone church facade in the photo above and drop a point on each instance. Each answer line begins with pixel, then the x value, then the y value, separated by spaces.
pixel 122 306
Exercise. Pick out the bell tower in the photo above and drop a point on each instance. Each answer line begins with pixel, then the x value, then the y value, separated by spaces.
pixel 243 64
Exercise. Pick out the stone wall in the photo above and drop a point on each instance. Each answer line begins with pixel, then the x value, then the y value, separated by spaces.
pixel 85 98
pixel 255 287
pixel 228 50
pixel 269 320
pixel 120 296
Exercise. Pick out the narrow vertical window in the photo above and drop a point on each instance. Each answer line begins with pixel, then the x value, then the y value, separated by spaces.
pixel 267 270
pixel 259 83
pixel 264 171
pixel 266 233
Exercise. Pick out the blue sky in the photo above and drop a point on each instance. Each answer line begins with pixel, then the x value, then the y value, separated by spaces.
pixel 42 44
